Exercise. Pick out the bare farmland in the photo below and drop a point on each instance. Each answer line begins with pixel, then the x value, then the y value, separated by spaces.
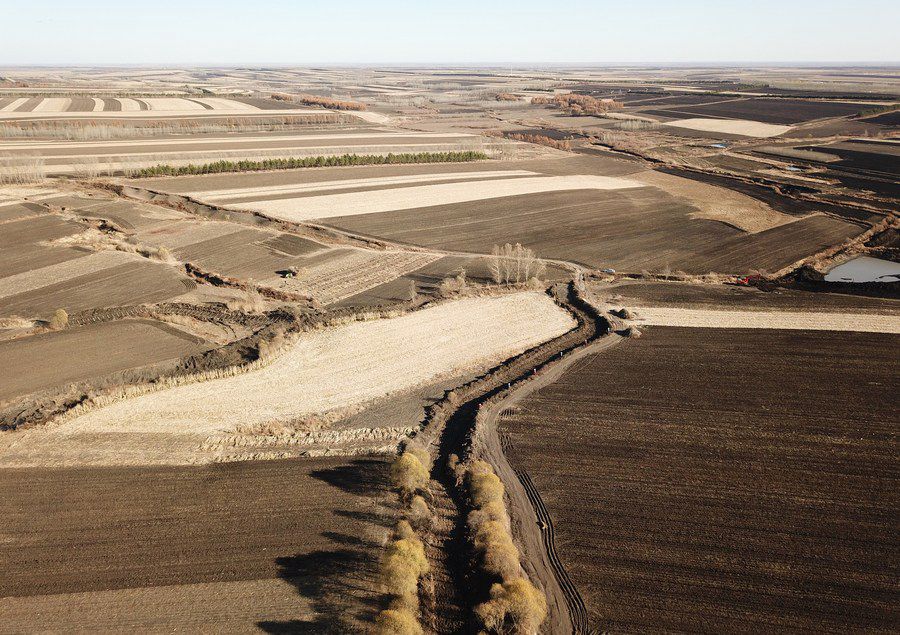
pixel 333 370
pixel 53 359
pixel 707 480
pixel 273 545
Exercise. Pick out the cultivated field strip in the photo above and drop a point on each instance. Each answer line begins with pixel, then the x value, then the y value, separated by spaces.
pixel 67 105
pixel 172 145
pixel 791 320
pixel 324 371
pixel 222 196
pixel 87 352
pixel 359 203
pixel 350 273
pixel 741 127
pixel 60 272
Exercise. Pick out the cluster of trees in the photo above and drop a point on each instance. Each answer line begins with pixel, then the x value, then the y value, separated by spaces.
pixel 515 605
pixel 507 97
pixel 576 104
pixel 291 163
pixel 315 100
pixel 559 144
pixel 515 264
pixel 404 562
pixel 877 110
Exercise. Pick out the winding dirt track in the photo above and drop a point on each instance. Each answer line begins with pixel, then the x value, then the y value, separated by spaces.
pixel 532 523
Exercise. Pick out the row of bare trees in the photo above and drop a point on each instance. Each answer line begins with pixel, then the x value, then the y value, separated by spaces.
pixel 514 264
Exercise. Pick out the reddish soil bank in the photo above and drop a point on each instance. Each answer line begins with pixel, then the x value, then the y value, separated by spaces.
pixel 728 481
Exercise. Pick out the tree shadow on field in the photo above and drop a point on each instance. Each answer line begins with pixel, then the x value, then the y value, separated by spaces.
pixel 339 586
pixel 363 477
pixel 342 584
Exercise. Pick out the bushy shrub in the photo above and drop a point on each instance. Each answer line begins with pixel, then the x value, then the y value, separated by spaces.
pixel 576 104
pixel 404 562
pixel 397 621
pixel 60 320
pixel 419 514
pixel 544 140
pixel 514 605
pixel 409 474
pixel 316 100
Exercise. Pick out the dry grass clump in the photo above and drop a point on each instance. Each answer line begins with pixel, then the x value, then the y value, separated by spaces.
pixel 397 622
pixel 456 285
pixel 98 241
pixel 515 264
pixel 315 100
pixel 514 604
pixel 410 473
pixel 251 302
pixel 575 104
pixel 404 562
pixel 19 170
pixel 59 320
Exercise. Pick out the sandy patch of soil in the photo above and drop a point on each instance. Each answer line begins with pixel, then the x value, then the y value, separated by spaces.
pixel 172 103
pixel 53 104
pixel 356 203
pixel 219 103
pixel 791 320
pixel 373 117
pixel 325 371
pixel 741 127
pixel 717 203
pixel 11 106
pixel 129 105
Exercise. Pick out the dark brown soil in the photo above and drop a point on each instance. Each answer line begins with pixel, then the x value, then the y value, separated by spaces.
pixel 315 523
pixel 128 284
pixel 724 480
pixel 685 295
pixel 58 358
pixel 777 111
pixel 604 229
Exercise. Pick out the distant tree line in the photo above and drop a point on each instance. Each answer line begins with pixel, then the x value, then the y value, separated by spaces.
pixel 290 163
pixel 576 104
pixel 315 100
pixel 559 144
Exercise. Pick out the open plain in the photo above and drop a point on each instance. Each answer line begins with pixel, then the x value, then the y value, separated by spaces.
pixel 412 350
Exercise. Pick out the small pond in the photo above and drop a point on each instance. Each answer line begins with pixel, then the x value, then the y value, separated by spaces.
pixel 865 269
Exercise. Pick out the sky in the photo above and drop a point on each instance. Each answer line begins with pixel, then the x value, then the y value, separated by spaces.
pixel 410 32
